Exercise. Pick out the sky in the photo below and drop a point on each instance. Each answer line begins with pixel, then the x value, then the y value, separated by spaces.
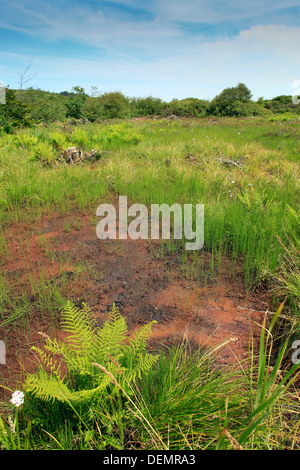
pixel 162 48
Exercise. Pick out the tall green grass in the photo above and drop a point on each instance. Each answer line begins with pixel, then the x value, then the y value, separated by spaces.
pixel 248 208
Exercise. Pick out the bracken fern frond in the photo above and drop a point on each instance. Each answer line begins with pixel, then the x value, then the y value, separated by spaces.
pixel 111 346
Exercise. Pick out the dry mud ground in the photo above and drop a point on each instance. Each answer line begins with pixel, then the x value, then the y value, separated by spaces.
pixel 143 285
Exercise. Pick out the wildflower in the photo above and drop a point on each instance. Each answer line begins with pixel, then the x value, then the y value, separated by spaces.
pixel 232 182
pixel 17 398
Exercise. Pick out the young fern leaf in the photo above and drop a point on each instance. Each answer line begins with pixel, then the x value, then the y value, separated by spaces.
pixel 143 364
pixel 80 325
pixel 139 339
pixel 111 337
pixel 51 388
pixel 47 387
pixel 48 362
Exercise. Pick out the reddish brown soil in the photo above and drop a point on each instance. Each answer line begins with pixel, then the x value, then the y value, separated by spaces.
pixel 144 286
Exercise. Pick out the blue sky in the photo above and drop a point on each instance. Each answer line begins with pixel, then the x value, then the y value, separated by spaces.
pixel 164 48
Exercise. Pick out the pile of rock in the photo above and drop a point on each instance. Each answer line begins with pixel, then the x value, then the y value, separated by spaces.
pixel 75 155
pixel 173 116
pixel 227 162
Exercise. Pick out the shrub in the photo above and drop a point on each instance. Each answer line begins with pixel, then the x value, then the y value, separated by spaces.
pixel 115 135
pixel 75 103
pixel 229 101
pixel 26 141
pixel 80 138
pixel 189 107
pixel 58 140
pixel 114 105
pixel 43 151
pixel 283 117
pixel 14 113
pixel 148 106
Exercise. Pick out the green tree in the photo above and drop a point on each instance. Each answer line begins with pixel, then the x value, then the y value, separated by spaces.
pixel 148 106
pixel 93 108
pixel 188 107
pixel 281 104
pixel 44 106
pixel 76 102
pixel 225 104
pixel 114 105
pixel 107 106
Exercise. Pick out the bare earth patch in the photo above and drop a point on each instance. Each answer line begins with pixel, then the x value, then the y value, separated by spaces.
pixel 131 274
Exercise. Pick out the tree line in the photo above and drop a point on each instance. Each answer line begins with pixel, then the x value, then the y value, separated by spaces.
pixel 35 105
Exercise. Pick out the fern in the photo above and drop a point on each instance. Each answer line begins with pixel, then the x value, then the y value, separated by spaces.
pixel 139 339
pixel 48 361
pixel 111 346
pixel 143 364
pixel 51 387
pixel 79 324
pixel 111 338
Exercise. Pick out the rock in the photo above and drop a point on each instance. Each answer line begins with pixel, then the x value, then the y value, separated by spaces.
pixel 75 155
pixel 173 116
pixel 71 155
pixel 230 162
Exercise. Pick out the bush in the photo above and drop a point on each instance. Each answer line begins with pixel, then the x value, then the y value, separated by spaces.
pixel 189 107
pixel 43 151
pixel 280 105
pixel 231 101
pixel 115 135
pixel 58 140
pixel 93 109
pixel 148 106
pixel 75 103
pixel 284 117
pixel 113 105
pixel 80 138
pixel 26 141
pixel 14 113
pixel 44 106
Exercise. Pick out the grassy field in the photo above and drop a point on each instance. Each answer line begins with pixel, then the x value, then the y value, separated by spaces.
pixel 246 173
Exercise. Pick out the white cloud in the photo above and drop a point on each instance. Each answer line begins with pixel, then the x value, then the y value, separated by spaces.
pixel 265 58
pixel 216 11
pixel 155 56
pixel 53 21
pixel 139 38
